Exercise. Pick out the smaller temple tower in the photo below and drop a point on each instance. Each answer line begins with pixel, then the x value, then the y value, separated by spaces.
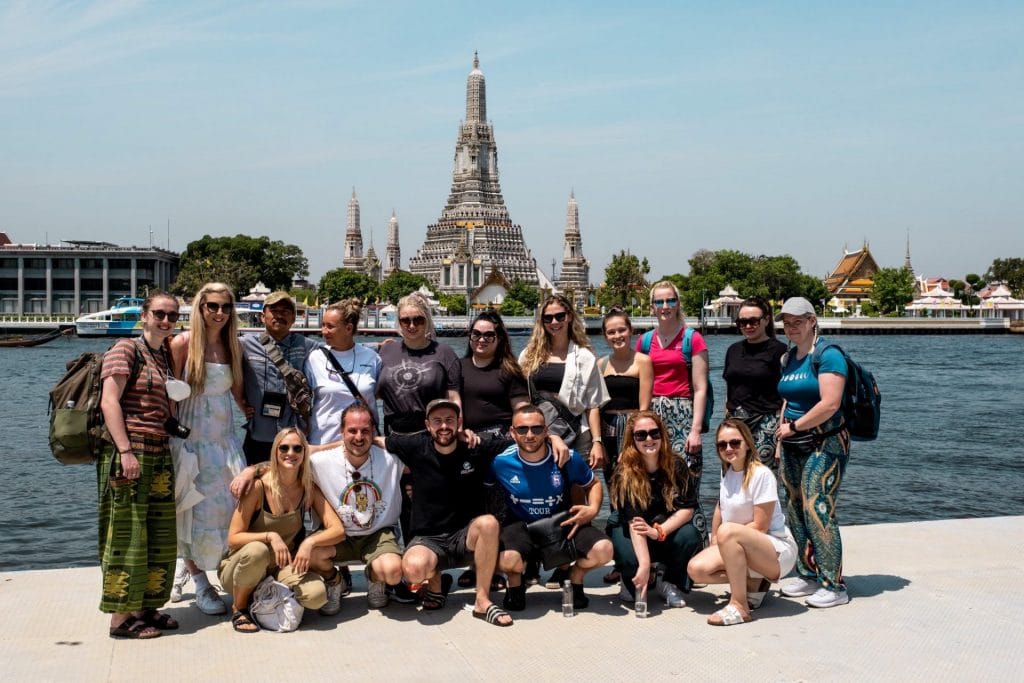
pixel 575 276
pixel 353 258
pixel 371 264
pixel 392 252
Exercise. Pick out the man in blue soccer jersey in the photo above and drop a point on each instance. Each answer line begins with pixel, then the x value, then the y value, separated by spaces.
pixel 536 489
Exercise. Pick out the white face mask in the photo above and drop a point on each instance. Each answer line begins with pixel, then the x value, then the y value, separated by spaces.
pixel 178 390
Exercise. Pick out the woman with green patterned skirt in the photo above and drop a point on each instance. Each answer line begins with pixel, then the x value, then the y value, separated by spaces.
pixel 135 478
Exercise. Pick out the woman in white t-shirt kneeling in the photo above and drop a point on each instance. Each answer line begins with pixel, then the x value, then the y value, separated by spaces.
pixel 750 544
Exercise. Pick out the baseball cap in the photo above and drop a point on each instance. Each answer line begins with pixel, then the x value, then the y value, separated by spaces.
pixel 443 403
pixel 796 305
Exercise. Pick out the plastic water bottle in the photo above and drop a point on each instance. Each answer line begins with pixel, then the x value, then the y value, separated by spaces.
pixel 640 606
pixel 568 610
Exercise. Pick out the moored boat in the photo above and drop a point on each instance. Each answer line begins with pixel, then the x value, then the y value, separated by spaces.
pixel 120 320
pixel 22 341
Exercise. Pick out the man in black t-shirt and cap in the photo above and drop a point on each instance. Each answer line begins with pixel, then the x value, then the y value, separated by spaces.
pixel 448 526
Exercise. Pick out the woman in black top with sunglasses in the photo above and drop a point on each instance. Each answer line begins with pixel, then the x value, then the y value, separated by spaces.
pixel 752 372
pixel 493 386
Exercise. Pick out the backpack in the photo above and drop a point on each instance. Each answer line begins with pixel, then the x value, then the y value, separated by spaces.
pixel 77 432
pixel 687 349
pixel 862 401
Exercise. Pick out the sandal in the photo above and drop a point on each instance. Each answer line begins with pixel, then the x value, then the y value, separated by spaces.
pixel 756 598
pixel 434 601
pixel 515 598
pixel 467 579
pixel 612 577
pixel 493 614
pixel 498 582
pixel 135 629
pixel 160 620
pixel 243 622
pixel 728 616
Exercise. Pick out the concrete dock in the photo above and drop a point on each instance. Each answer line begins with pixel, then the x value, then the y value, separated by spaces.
pixel 929 601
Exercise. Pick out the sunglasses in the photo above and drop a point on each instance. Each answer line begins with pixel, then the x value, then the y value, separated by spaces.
pixel 748 322
pixel 414 321
pixel 530 429
pixel 294 448
pixel 666 302
pixel 474 335
pixel 644 434
pixel 731 443
pixel 554 317
pixel 169 315
pixel 214 307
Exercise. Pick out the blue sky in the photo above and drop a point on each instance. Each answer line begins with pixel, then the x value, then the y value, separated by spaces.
pixel 788 127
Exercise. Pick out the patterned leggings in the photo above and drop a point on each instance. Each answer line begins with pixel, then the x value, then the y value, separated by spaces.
pixel 137 528
pixel 812 479
pixel 762 428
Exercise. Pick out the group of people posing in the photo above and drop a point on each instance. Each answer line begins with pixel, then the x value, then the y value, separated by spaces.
pixel 488 462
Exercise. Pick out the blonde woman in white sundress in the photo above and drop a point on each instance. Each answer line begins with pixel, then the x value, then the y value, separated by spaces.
pixel 209 358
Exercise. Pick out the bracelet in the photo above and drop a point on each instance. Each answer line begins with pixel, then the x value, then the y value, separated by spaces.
pixel 596 439
pixel 792 425
pixel 661 532
pixel 127 450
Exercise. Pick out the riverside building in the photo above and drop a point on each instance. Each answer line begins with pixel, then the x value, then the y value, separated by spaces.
pixel 474 235
pixel 78 276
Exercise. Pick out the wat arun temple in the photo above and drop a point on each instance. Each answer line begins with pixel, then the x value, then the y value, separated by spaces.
pixel 474 241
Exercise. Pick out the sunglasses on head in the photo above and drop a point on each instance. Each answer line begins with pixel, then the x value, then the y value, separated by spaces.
pixel 644 434
pixel 554 317
pixel 169 315
pixel 748 322
pixel 294 448
pixel 731 443
pixel 476 335
pixel 666 302
pixel 214 307
pixel 529 429
pixel 414 321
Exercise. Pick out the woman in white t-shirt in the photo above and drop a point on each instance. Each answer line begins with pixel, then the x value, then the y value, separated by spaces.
pixel 750 544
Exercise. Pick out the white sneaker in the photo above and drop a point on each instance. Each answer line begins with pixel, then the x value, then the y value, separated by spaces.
pixel 624 594
pixel 799 587
pixel 209 602
pixel 824 597
pixel 334 592
pixel 673 596
pixel 181 577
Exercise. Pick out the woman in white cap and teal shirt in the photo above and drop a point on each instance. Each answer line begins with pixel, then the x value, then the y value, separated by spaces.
pixel 815 447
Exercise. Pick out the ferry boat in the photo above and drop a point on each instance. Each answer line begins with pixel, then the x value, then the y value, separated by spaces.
pixel 123 319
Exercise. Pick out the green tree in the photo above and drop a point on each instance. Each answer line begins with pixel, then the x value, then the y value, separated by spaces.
pixel 455 303
pixel 525 294
pixel 400 283
pixel 625 278
pixel 240 261
pixel 512 307
pixel 1010 271
pixel 893 289
pixel 342 283
pixel 303 295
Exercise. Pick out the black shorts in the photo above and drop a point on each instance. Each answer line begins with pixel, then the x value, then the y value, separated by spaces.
pixel 450 548
pixel 514 536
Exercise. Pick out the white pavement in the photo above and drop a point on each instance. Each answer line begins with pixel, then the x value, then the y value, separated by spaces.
pixel 930 601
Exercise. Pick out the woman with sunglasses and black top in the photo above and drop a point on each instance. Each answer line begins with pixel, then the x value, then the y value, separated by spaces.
pixel 656 497
pixel 493 385
pixel 752 372
pixel 560 364
pixel 414 373
pixel 135 477
pixel 209 357
pixel 750 543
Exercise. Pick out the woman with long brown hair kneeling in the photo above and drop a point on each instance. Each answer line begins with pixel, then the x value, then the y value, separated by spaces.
pixel 266 533
pixel 750 544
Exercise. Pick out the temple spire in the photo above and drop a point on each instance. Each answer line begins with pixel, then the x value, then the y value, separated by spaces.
pixel 906 261
pixel 575 277
pixel 476 94
pixel 353 257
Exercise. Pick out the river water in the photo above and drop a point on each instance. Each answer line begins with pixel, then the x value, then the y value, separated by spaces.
pixel 949 444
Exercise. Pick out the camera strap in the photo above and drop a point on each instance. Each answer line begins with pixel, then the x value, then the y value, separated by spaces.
pixel 356 394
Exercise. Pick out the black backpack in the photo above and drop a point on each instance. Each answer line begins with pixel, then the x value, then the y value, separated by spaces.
pixel 77 432
pixel 862 401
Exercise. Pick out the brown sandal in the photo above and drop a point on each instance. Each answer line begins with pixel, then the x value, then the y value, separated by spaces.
pixel 243 622
pixel 135 629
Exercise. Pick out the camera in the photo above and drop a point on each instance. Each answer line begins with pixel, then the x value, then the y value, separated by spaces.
pixel 175 428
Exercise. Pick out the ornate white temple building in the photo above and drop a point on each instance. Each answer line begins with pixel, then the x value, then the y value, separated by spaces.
pixel 574 280
pixel 474 234
pixel 370 264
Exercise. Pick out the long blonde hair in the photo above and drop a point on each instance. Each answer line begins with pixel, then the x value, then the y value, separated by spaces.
pixel 630 483
pixel 751 461
pixel 195 364
pixel 272 478
pixel 538 349
pixel 416 300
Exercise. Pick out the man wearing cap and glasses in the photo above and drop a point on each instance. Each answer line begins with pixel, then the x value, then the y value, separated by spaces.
pixel 536 488
pixel 265 389
pixel 447 524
